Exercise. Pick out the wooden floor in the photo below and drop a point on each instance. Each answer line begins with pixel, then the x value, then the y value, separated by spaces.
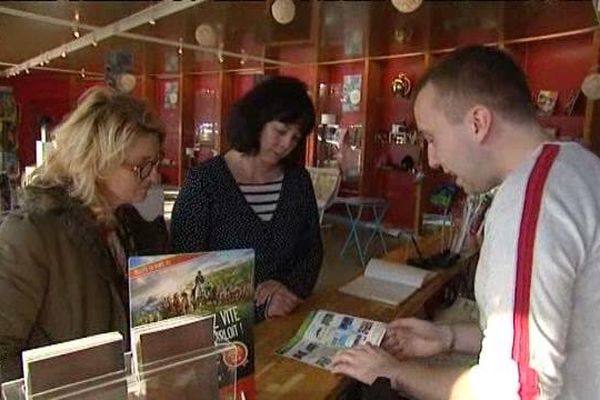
pixel 337 270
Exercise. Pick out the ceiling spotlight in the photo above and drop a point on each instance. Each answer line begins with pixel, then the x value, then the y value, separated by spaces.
pixel 244 57
pixel 76 33
pixel 63 54
pixel 283 11
pixel 406 6
pixel 77 16
pixel 180 49
pixel 152 22
pixel 94 43
pixel 27 71
pixel 82 72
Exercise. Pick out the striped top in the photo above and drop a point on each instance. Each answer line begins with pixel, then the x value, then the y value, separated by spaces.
pixel 263 197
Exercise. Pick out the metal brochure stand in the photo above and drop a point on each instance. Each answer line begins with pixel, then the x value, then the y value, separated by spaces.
pixel 203 374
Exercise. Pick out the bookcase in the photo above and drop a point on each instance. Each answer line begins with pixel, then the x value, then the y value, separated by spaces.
pixel 375 45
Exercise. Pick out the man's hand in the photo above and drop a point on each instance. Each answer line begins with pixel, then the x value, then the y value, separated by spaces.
pixel 366 363
pixel 412 337
pixel 279 299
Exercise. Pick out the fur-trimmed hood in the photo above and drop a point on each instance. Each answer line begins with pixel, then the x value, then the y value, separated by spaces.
pixel 40 200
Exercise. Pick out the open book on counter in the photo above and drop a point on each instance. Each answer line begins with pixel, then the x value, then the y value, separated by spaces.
pixel 324 333
pixel 387 282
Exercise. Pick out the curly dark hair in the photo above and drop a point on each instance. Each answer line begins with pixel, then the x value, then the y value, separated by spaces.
pixel 277 98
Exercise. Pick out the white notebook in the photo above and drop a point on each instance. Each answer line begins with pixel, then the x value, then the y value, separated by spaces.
pixel 387 282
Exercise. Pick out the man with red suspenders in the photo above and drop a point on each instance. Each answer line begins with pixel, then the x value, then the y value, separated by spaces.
pixel 538 277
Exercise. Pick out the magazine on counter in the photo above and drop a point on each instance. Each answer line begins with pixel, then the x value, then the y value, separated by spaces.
pixel 323 333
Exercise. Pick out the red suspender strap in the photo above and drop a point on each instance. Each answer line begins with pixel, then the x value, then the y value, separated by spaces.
pixel 528 378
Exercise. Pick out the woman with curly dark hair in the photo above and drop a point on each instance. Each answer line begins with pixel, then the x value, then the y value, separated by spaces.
pixel 258 196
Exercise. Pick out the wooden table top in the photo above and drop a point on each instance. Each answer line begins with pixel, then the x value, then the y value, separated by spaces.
pixel 278 377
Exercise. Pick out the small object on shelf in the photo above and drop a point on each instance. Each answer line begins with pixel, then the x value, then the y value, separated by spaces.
pixel 327 119
pixel 401 85
pixel 351 93
pixel 591 86
pixel 546 102
pixel 171 95
pixel 400 134
pixel 572 102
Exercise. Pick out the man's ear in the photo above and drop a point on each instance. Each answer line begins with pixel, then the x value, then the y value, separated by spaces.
pixel 480 122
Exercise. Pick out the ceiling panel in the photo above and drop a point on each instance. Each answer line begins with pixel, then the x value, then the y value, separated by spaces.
pixel 348 30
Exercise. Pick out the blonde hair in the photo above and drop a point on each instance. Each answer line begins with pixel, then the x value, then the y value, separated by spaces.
pixel 92 140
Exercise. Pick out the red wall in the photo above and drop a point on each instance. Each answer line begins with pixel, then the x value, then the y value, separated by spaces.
pixel 44 94
pixel 37 95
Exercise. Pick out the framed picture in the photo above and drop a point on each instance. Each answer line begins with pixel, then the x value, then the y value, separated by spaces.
pixel 351 93
pixel 546 102
pixel 171 95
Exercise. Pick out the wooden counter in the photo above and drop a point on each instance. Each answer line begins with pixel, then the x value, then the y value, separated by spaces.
pixel 278 377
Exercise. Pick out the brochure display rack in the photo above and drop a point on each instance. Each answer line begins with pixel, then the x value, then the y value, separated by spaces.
pixel 201 374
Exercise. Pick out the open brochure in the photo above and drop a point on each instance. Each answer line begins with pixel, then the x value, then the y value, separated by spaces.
pixel 387 282
pixel 323 333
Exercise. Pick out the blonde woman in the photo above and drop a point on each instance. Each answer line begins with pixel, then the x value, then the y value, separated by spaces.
pixel 62 257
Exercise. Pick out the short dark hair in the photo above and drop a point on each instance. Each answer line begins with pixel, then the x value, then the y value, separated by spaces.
pixel 277 98
pixel 480 74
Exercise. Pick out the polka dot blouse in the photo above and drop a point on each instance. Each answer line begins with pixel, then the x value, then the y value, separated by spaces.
pixel 211 213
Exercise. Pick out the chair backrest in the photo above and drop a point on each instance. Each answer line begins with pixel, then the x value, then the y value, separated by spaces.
pixel 326 183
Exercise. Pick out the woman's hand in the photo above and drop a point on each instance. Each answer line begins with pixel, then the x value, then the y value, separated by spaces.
pixel 412 337
pixel 278 298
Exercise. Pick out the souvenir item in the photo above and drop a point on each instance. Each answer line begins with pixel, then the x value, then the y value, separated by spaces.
pixel 401 85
